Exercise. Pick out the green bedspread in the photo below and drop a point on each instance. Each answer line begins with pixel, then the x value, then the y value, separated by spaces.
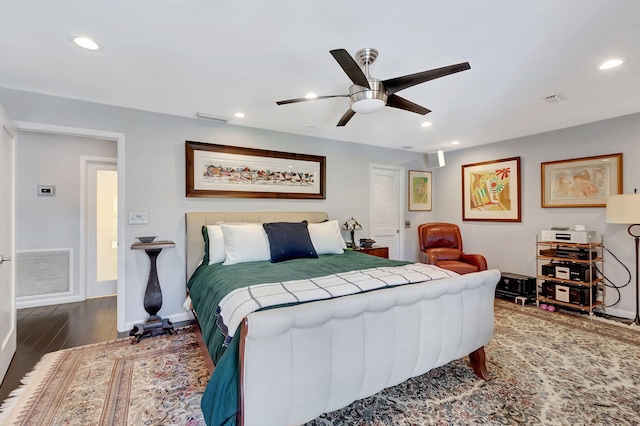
pixel 208 286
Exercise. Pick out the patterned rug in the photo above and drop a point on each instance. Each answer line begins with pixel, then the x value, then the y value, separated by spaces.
pixel 158 381
pixel 547 368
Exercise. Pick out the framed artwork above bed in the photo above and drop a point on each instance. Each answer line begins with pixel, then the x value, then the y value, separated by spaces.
pixel 234 172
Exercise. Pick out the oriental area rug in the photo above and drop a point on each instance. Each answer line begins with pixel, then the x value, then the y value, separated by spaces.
pixel 547 369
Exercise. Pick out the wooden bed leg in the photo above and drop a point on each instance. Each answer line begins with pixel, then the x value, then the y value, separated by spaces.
pixel 478 363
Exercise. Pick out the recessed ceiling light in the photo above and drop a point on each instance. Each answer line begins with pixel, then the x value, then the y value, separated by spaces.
pixel 239 115
pixel 85 42
pixel 426 124
pixel 310 95
pixel 611 63
pixel 455 142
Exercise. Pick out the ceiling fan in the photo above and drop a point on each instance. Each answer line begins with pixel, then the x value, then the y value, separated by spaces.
pixel 369 94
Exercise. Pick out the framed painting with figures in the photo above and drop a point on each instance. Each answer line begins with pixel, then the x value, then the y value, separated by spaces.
pixel 581 182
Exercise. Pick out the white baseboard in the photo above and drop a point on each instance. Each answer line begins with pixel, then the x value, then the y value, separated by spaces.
pixel 619 313
pixel 45 300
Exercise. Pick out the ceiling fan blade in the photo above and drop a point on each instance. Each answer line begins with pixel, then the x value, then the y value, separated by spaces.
pixel 396 101
pixel 394 85
pixel 350 67
pixel 292 101
pixel 346 117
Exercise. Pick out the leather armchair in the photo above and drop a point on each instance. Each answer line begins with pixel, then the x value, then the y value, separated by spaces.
pixel 441 245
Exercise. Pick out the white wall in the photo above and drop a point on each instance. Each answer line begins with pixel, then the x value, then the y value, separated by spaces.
pixel 510 246
pixel 52 222
pixel 155 180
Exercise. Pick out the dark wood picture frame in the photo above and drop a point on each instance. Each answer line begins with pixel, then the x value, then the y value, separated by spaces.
pixel 491 191
pixel 252 173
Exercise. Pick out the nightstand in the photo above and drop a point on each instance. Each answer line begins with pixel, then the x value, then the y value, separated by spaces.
pixel 153 294
pixel 375 251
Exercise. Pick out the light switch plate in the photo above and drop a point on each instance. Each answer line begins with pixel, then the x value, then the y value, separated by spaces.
pixel 138 218
pixel 46 190
pixel 407 224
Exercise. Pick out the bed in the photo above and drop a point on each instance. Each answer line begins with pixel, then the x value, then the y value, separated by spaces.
pixel 288 363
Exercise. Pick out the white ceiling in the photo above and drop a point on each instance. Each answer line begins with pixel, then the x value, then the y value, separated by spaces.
pixel 218 57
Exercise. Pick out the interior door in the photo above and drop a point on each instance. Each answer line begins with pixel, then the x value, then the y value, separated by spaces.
pixel 386 201
pixel 7 243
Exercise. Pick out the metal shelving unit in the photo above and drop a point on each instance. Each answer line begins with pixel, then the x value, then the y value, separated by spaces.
pixel 569 275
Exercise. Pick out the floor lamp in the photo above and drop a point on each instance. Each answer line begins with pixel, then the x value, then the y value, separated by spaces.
pixel 625 208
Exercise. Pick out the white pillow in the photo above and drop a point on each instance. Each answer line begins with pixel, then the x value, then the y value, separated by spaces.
pixel 245 243
pixel 216 244
pixel 326 237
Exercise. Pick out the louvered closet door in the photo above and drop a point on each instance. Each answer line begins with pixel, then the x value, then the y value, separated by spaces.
pixel 386 201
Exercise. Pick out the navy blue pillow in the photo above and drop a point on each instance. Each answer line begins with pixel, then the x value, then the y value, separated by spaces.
pixel 289 240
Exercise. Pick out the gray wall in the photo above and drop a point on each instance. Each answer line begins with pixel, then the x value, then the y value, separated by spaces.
pixel 510 246
pixel 155 180
pixel 155 173
pixel 52 222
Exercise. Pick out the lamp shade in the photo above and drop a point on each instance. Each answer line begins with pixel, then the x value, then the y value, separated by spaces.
pixel 623 208
pixel 351 225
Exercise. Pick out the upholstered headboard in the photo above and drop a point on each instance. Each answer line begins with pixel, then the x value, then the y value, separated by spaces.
pixel 196 220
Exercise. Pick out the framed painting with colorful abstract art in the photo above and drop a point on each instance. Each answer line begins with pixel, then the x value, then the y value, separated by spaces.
pixel 491 191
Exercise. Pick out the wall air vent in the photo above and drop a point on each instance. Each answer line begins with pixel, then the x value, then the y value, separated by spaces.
pixel 553 99
pixel 218 118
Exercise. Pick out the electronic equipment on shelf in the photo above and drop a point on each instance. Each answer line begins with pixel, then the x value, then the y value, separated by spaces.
pixel 569 271
pixel 570 253
pixel 567 236
pixel 512 285
pixel 575 295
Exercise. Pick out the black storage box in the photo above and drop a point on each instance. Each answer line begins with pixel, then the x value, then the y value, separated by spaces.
pixel 515 285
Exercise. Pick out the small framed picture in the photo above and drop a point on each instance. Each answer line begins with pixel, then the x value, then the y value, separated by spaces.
pixel 420 190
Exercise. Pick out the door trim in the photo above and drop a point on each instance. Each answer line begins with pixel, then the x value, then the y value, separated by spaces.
pixel 26 126
pixel 8 343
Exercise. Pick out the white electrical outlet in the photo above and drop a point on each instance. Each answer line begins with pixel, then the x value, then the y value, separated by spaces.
pixel 138 218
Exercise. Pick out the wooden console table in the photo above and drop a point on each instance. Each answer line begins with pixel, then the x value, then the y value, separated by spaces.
pixel 153 325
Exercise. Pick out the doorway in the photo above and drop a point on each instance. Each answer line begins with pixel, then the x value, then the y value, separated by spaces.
pixel 101 218
pixel 119 138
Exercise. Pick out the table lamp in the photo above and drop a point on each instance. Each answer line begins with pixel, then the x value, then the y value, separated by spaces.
pixel 625 208
pixel 352 225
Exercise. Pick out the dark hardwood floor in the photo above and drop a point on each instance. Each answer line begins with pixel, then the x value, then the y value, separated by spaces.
pixel 50 328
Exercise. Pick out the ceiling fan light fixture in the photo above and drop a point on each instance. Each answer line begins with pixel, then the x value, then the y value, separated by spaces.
pixel 367 106
pixel 367 101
